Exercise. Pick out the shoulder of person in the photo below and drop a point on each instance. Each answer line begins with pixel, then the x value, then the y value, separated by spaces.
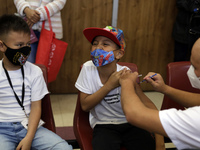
pixel 32 68
pixel 89 64
pixel 119 67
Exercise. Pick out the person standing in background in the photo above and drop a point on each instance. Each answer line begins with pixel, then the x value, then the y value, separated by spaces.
pixel 35 14
pixel 182 34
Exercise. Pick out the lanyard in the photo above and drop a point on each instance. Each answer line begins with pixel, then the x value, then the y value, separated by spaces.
pixel 23 91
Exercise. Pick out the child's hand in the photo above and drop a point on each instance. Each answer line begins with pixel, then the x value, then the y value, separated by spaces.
pixel 32 15
pixel 30 24
pixel 157 81
pixel 113 80
pixel 25 144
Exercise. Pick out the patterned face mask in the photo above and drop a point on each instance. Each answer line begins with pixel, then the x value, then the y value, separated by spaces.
pixel 18 56
pixel 101 57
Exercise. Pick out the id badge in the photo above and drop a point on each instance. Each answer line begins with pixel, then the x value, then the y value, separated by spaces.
pixel 25 123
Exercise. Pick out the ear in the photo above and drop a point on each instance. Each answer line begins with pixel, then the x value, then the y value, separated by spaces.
pixel 119 54
pixel 2 47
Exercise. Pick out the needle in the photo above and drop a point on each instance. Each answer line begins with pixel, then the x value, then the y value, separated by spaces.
pixel 150 77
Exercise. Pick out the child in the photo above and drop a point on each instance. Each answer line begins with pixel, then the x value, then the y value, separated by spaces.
pixel 100 92
pixel 22 87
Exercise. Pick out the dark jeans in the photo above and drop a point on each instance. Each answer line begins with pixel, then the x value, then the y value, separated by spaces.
pixel 112 137
pixel 34 46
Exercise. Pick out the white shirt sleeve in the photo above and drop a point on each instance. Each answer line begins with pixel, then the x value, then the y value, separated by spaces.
pixel 83 82
pixel 53 7
pixel 182 126
pixel 21 5
pixel 36 82
pixel 39 88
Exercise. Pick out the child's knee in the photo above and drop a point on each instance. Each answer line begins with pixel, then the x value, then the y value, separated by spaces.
pixel 62 146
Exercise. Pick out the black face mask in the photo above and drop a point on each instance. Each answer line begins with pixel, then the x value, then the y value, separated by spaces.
pixel 18 56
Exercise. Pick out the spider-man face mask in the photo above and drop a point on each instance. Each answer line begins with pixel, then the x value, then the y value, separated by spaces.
pixel 101 57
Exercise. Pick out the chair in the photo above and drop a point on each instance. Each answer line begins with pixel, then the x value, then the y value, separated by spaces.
pixel 81 125
pixel 65 133
pixel 177 78
pixel 47 114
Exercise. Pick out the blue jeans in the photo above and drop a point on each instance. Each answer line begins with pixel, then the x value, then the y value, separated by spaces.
pixel 34 46
pixel 12 133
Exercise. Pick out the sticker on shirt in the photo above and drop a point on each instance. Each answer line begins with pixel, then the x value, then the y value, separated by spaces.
pixel 111 99
pixel 25 123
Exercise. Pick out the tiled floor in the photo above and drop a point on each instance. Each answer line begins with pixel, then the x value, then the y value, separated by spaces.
pixel 64 106
pixel 63 109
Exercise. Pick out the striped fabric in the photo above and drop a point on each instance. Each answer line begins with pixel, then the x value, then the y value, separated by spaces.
pixel 54 7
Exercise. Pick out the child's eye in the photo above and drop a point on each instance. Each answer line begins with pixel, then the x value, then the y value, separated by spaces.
pixel 19 45
pixel 94 43
pixel 22 45
pixel 105 44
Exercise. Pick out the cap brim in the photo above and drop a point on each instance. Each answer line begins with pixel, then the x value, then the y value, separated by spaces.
pixel 91 33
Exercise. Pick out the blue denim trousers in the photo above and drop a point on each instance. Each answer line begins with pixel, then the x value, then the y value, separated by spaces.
pixel 12 133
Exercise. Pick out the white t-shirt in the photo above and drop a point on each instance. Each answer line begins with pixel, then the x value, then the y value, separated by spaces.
pixel 109 110
pixel 35 89
pixel 182 127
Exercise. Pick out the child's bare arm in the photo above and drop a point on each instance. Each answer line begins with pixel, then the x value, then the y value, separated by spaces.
pixel 32 126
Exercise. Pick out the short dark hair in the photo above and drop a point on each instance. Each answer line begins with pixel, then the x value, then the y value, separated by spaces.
pixel 11 22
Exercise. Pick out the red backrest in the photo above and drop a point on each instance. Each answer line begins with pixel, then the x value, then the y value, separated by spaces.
pixel 47 114
pixel 82 129
pixel 177 78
